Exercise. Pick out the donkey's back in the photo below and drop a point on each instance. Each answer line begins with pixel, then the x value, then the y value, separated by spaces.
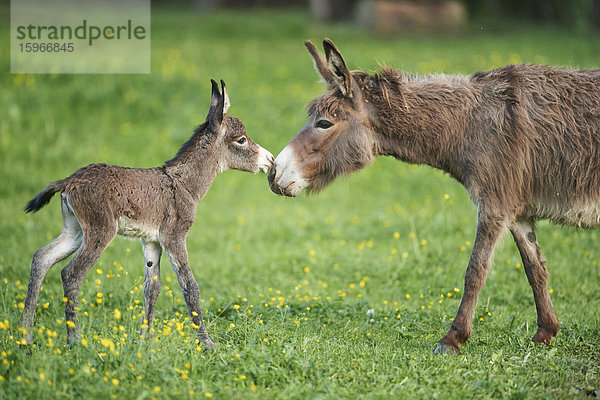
pixel 551 132
pixel 133 200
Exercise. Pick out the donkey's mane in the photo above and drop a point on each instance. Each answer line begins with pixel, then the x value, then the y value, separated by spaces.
pixel 327 104
pixel 378 82
pixel 388 76
pixel 386 85
pixel 187 149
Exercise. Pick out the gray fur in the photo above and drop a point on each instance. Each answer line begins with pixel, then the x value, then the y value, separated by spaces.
pixel 156 205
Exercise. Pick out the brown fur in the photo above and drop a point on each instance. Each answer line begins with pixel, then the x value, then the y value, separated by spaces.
pixel 156 205
pixel 524 140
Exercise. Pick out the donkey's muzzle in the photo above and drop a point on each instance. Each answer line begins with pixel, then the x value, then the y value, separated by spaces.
pixel 284 177
pixel 274 183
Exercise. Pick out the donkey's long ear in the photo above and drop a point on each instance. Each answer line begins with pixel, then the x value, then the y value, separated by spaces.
pixel 320 63
pixel 337 68
pixel 226 102
pixel 215 112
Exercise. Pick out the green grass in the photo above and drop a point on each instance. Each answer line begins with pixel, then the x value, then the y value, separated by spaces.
pixel 393 238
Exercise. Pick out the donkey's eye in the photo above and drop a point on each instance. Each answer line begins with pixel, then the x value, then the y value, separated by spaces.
pixel 241 140
pixel 323 124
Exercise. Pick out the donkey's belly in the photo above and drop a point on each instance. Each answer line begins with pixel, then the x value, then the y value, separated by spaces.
pixel 136 230
pixel 582 214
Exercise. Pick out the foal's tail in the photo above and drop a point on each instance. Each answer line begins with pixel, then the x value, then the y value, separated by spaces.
pixel 44 196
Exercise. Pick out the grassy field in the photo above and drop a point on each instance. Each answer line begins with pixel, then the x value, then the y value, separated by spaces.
pixel 286 283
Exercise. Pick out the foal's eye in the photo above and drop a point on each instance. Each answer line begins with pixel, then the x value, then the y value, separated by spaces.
pixel 241 140
pixel 323 124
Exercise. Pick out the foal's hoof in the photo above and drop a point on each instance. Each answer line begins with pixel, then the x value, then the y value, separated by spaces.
pixel 26 342
pixel 444 348
pixel 26 346
pixel 73 342
pixel 207 343
pixel 210 346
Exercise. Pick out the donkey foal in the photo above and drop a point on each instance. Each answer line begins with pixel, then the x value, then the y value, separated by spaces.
pixel 156 205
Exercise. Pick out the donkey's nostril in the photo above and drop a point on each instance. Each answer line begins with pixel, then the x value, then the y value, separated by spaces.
pixel 271 176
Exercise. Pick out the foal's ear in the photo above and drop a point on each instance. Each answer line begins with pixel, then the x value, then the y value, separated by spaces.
pixel 320 62
pixel 215 112
pixel 337 68
pixel 226 102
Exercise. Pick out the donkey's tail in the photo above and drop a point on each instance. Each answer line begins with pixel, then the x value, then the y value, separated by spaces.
pixel 44 196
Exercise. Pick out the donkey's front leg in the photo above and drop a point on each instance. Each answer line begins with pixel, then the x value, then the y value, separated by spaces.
pixel 489 230
pixel 152 252
pixel 177 252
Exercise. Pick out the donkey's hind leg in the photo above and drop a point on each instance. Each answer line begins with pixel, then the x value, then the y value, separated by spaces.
pixel 60 248
pixel 94 243
pixel 537 275
pixel 152 252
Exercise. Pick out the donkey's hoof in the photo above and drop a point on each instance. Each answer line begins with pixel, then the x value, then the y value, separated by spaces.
pixel 444 348
pixel 544 335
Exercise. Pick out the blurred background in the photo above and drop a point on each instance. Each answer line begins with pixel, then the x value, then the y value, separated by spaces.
pixel 429 15
pixel 50 125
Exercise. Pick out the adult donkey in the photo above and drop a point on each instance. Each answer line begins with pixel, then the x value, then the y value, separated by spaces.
pixel 524 140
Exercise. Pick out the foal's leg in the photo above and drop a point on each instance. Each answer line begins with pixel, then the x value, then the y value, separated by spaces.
pixel 537 275
pixel 95 240
pixel 489 230
pixel 152 252
pixel 177 253
pixel 60 248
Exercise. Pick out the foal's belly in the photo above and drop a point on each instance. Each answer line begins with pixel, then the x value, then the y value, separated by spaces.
pixel 133 229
